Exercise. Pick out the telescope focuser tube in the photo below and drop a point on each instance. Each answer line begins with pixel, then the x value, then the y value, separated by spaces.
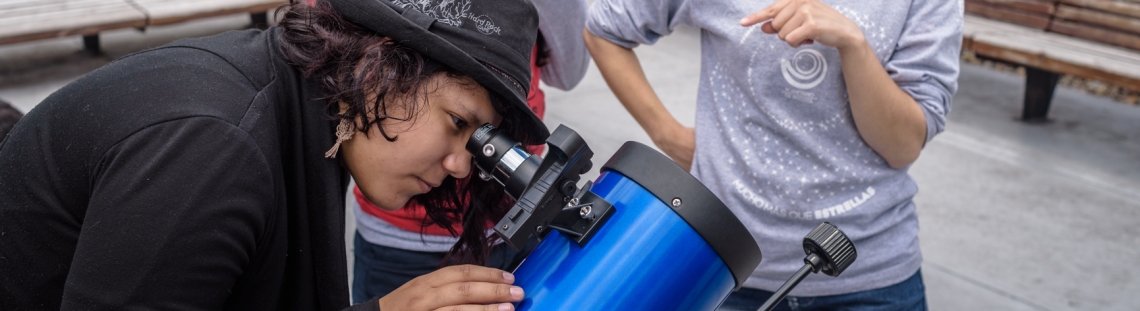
pixel 499 157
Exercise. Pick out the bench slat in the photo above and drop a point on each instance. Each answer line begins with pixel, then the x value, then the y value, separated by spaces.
pixel 59 18
pixel 39 4
pixel 1129 8
pixel 8 10
pixel 975 27
pixel 26 20
pixel 1045 7
pixel 163 12
pixel 1007 14
pixel 1097 34
pixel 1054 52
pixel 65 17
pixel 1092 17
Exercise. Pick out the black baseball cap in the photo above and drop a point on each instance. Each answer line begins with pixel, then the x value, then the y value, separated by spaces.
pixel 488 40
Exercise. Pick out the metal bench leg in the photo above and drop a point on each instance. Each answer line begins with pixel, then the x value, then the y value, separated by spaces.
pixel 260 20
pixel 91 44
pixel 1039 87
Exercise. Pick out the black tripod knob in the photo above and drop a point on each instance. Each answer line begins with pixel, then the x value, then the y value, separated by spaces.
pixel 834 252
pixel 827 249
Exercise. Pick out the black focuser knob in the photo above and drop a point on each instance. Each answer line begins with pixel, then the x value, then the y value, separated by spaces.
pixel 834 251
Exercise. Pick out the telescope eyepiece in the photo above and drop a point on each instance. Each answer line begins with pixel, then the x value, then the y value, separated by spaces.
pixel 499 157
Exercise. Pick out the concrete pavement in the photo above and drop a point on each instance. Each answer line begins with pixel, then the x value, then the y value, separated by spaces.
pixel 1013 216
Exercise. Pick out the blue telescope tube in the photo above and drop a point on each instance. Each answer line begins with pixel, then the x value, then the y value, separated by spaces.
pixel 646 257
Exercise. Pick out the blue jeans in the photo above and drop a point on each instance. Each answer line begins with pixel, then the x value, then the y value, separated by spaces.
pixel 907 295
pixel 378 270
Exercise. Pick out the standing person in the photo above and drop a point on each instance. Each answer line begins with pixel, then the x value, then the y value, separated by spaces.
pixel 807 111
pixel 393 247
pixel 211 173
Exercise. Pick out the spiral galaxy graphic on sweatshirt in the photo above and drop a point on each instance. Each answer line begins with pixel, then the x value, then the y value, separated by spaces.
pixel 806 69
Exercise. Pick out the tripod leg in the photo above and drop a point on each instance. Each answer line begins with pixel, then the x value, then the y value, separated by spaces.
pixel 787 287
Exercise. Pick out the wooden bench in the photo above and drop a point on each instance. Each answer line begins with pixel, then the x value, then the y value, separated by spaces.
pixel 1092 39
pixel 163 12
pixel 27 20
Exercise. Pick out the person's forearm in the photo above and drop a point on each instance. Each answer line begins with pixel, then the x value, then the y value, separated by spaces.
pixel 886 117
pixel 623 73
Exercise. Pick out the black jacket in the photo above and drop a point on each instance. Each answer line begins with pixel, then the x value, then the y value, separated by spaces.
pixel 187 177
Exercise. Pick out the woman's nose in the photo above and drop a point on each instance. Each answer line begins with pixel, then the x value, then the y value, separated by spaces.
pixel 458 163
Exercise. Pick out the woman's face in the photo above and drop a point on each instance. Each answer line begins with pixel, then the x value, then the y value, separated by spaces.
pixel 428 148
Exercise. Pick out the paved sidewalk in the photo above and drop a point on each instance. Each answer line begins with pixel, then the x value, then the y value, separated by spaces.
pixel 1013 216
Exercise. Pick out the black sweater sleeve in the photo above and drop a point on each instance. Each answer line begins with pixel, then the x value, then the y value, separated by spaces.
pixel 370 305
pixel 176 213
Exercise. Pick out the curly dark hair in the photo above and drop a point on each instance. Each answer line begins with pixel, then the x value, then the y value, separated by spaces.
pixel 349 62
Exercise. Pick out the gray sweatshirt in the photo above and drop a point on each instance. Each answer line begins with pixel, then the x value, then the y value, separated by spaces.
pixel 776 140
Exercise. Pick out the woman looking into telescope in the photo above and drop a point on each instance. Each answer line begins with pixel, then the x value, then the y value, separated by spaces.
pixel 211 173
pixel 392 247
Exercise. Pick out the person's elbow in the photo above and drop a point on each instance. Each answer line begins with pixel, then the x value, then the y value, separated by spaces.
pixel 902 159
pixel 598 46
pixel 565 74
pixel 592 43
pixel 903 140
pixel 905 152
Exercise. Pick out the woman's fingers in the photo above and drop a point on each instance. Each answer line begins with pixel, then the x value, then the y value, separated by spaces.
pixel 792 24
pixel 800 36
pixel 764 14
pixel 494 307
pixel 800 22
pixel 455 288
pixel 477 293
pixel 466 273
pixel 781 19
pixel 767 28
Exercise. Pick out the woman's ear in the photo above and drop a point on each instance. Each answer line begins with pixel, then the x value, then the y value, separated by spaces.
pixel 342 107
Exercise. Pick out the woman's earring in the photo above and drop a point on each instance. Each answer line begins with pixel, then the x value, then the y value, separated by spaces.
pixel 344 131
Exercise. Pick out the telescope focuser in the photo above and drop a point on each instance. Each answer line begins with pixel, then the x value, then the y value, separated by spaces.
pixel 546 190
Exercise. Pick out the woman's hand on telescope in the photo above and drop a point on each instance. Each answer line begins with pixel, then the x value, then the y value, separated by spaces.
pixel 799 22
pixel 465 287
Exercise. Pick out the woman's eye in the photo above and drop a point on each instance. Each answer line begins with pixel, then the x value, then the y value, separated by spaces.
pixel 458 122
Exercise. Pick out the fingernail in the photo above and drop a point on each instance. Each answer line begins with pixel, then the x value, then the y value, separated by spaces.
pixel 510 278
pixel 744 20
pixel 505 307
pixel 516 292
